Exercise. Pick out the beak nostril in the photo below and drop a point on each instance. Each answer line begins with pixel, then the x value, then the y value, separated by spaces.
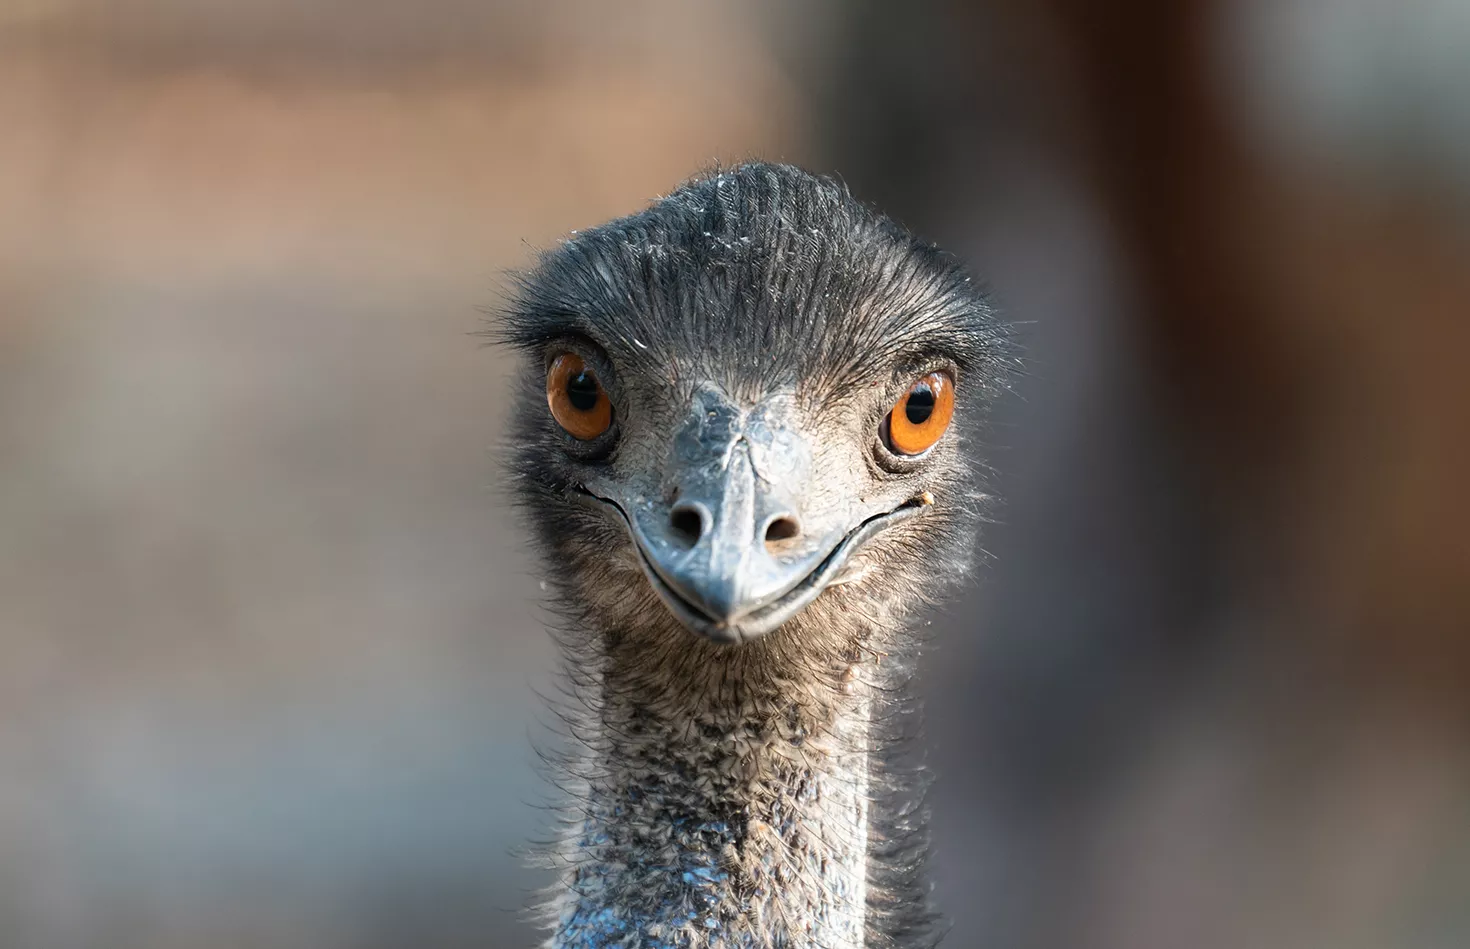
pixel 782 528
pixel 687 524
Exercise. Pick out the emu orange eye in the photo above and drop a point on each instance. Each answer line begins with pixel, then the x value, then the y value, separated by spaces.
pixel 922 415
pixel 577 400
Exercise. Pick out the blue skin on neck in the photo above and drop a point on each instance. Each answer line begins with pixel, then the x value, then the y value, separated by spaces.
pixel 692 886
pixel 690 891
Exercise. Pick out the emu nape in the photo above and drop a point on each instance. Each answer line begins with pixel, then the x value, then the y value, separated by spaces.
pixel 740 440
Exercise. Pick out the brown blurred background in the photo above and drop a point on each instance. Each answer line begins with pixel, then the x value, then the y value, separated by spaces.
pixel 269 639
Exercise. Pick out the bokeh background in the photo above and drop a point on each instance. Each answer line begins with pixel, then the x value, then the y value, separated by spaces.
pixel 270 640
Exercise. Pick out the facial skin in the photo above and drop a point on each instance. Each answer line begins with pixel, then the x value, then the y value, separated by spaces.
pixel 734 405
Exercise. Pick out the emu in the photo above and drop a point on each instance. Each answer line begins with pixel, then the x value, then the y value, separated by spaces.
pixel 739 440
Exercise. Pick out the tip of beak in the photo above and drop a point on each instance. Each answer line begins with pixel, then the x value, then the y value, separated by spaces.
pixel 722 633
pixel 723 603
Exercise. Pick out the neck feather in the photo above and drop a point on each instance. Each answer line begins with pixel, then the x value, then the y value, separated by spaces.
pixel 722 804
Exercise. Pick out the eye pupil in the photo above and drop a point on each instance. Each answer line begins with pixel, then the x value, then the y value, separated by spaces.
pixel 582 391
pixel 920 404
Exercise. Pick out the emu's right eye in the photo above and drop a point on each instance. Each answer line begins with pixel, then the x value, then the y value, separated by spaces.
pixel 577 400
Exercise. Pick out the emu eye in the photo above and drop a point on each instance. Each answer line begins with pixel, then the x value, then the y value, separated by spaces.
pixel 921 416
pixel 576 398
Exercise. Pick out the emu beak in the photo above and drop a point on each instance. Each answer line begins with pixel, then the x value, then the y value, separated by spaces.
pixel 743 545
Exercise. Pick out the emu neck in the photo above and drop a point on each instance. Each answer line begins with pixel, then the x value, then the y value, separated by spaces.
pixel 724 806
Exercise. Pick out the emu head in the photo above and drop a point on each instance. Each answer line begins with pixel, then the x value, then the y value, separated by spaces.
pixel 741 414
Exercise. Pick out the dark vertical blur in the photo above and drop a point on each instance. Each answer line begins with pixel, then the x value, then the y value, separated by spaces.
pixel 1098 603
pixel 268 640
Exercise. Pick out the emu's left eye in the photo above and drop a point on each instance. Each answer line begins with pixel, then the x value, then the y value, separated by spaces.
pixel 921 416
pixel 577 400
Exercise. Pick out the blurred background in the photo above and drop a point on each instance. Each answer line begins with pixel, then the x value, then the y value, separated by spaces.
pixel 270 641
